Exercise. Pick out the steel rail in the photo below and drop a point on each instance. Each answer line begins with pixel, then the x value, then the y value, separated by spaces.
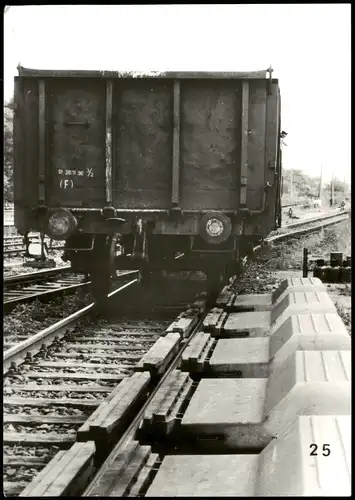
pixel 326 221
pixel 302 222
pixel 31 277
pixel 10 303
pixel 32 345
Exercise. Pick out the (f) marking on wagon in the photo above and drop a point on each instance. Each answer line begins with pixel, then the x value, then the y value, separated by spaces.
pixel 66 183
pixel 89 172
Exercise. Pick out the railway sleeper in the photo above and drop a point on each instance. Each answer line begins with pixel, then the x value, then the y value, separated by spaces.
pixel 125 473
pixel 161 415
pixel 106 422
pixel 184 324
pixel 66 474
pixel 160 354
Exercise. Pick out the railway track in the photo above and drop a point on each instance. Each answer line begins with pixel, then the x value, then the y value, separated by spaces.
pixel 43 285
pixel 14 245
pixel 51 391
pixel 305 226
pixel 184 413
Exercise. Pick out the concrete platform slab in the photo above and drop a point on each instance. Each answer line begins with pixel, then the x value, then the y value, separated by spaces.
pixel 250 357
pixel 300 303
pixel 261 302
pixel 247 324
pixel 223 405
pixel 319 331
pixel 205 476
pixel 308 383
pixel 287 466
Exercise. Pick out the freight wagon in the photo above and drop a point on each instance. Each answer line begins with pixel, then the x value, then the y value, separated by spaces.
pixel 131 170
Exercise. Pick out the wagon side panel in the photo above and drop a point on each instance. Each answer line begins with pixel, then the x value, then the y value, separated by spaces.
pixel 210 144
pixel 256 168
pixel 143 127
pixel 272 158
pixel 75 139
pixel 26 178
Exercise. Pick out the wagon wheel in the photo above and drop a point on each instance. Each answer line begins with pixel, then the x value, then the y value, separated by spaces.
pixel 103 268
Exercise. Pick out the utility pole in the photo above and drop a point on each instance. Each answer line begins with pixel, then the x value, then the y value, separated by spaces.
pixel 320 182
pixel 332 191
pixel 291 186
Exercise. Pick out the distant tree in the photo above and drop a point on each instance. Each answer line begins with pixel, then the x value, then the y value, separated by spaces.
pixel 8 152
pixel 303 186
pixel 341 190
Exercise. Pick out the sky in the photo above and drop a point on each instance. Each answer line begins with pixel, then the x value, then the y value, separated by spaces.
pixel 308 45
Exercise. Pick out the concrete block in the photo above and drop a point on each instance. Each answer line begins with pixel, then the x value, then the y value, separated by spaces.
pixel 308 383
pixel 292 285
pixel 266 302
pixel 260 302
pixel 224 405
pixel 248 413
pixel 317 332
pixel 247 324
pixel 250 357
pixel 205 476
pixel 300 303
pixel 287 466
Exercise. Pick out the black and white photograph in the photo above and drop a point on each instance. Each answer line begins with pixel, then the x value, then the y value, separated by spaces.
pixel 177 250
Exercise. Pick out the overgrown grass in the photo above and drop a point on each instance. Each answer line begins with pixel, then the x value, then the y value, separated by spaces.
pixel 27 319
pixel 345 315
pixel 289 254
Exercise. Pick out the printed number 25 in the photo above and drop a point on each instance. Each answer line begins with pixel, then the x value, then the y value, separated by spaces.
pixel 314 448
